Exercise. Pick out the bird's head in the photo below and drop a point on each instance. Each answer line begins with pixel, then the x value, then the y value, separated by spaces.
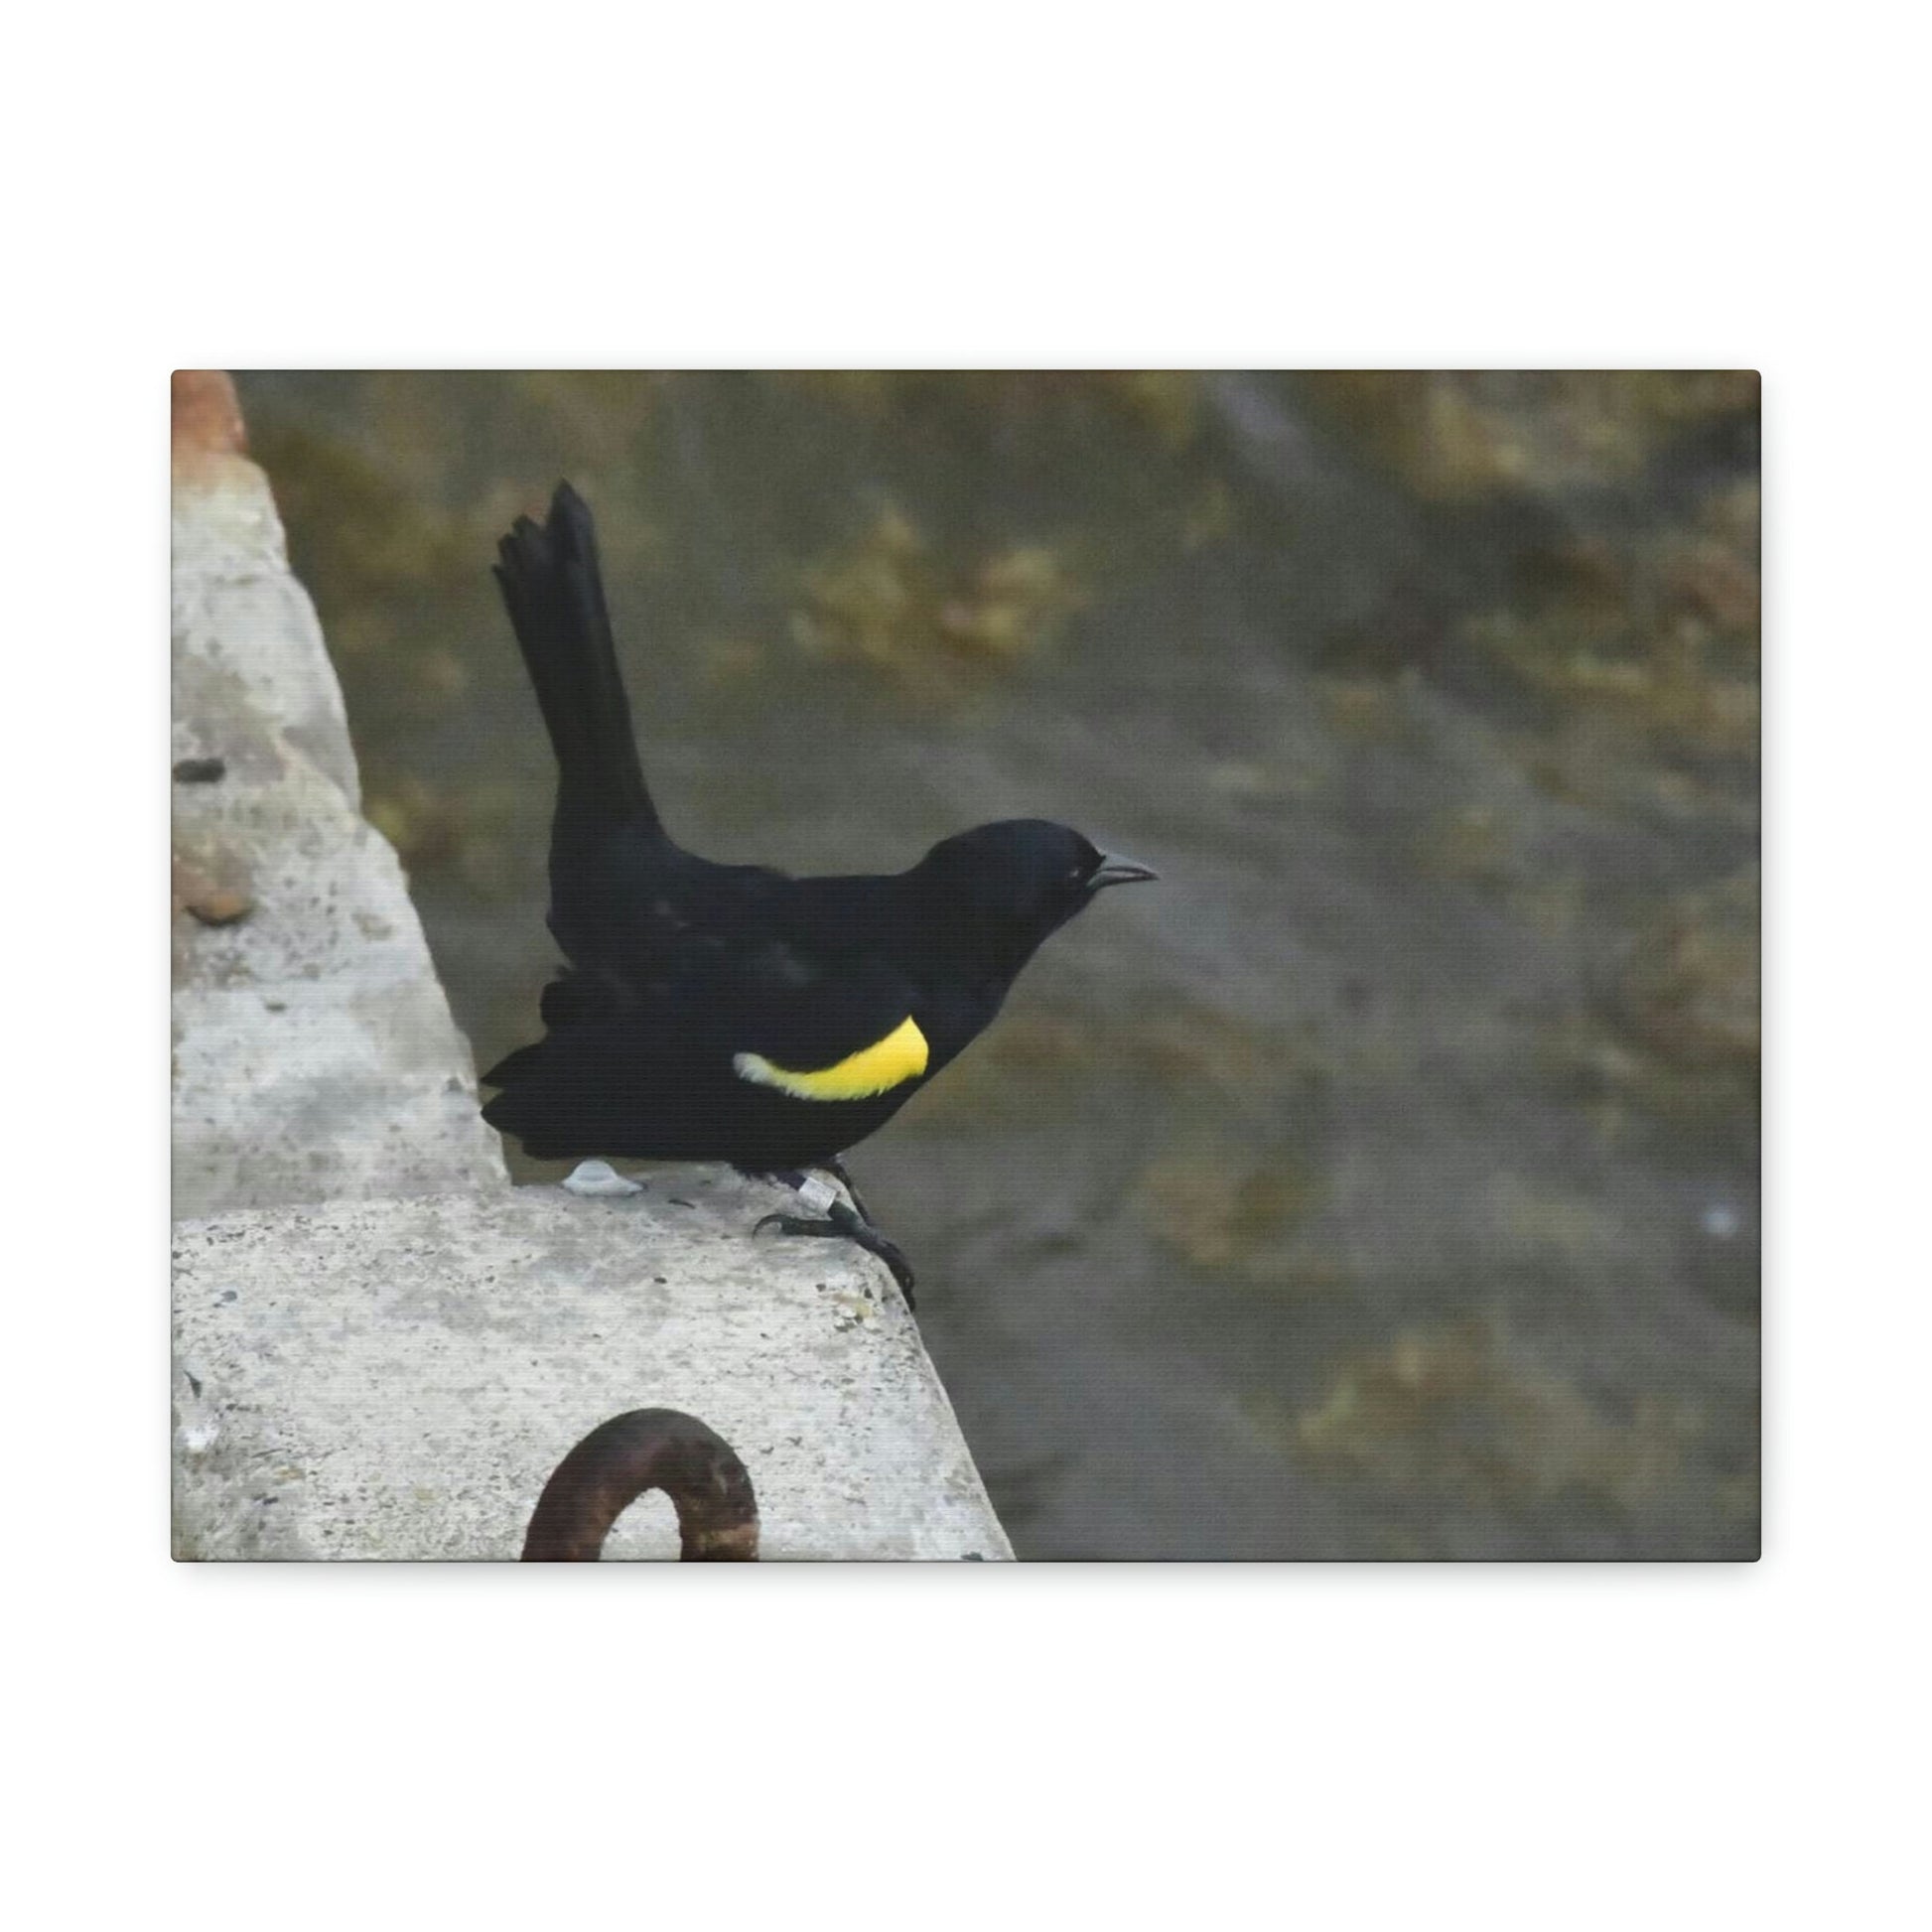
pixel 1000 889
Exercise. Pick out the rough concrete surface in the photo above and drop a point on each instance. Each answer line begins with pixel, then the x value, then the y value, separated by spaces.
pixel 313 1052
pixel 397 1379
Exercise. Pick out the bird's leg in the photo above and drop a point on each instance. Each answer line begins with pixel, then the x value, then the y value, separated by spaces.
pixel 835 1166
pixel 840 1223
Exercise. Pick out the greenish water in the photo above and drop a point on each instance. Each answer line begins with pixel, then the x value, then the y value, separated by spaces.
pixel 1384 1182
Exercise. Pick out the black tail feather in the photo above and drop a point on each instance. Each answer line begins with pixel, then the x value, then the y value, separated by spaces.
pixel 554 594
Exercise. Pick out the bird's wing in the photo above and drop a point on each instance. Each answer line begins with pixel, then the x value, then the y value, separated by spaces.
pixel 646 925
pixel 850 1037
pixel 784 981
pixel 786 1011
pixel 691 971
pixel 853 1035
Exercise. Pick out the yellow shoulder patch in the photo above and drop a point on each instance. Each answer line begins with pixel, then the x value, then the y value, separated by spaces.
pixel 885 1065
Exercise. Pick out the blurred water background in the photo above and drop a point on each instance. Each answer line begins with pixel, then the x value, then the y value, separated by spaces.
pixel 1384 1182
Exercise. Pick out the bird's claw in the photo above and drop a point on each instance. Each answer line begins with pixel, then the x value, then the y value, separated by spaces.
pixel 841 1223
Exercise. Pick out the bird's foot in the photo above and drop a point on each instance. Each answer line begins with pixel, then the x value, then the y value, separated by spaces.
pixel 843 1223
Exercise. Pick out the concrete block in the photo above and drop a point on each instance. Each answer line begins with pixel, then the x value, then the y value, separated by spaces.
pixel 398 1378
pixel 313 1052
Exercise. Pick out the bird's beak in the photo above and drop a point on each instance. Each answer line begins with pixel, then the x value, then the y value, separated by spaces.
pixel 1115 870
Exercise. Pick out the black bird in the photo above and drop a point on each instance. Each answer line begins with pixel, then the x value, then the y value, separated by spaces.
pixel 733 1013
